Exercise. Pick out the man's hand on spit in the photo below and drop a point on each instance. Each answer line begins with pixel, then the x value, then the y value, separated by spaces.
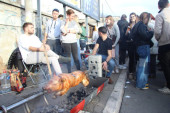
pixel 44 41
pixel 47 47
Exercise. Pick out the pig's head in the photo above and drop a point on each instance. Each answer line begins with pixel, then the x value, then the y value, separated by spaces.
pixel 54 85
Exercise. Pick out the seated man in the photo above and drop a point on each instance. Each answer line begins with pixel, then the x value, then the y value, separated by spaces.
pixel 32 49
pixel 104 44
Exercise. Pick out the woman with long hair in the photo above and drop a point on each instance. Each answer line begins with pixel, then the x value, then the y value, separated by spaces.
pixel 130 47
pixel 69 30
pixel 114 34
pixel 142 39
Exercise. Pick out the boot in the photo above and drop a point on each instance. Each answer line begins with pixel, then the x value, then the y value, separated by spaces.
pixel 110 81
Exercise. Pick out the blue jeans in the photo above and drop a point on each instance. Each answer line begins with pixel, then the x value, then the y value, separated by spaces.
pixel 143 65
pixel 111 65
pixel 82 44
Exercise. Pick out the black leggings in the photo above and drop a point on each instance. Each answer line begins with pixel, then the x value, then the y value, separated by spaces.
pixel 132 59
pixel 122 56
pixel 71 48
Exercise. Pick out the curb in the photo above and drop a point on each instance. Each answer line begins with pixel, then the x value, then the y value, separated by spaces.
pixel 114 102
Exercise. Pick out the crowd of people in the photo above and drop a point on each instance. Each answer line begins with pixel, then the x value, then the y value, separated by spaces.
pixel 140 38
pixel 145 37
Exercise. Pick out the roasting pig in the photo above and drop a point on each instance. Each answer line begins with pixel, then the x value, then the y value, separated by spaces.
pixel 60 84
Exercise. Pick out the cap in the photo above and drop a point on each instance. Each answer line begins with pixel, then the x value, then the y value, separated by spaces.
pixel 56 10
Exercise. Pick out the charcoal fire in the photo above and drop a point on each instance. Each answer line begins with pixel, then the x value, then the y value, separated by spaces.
pixel 76 97
pixel 67 102
pixel 62 83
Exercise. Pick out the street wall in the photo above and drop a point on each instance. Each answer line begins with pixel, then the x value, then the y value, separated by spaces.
pixel 11 21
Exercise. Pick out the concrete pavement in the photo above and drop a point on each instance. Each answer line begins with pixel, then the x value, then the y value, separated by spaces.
pixel 115 99
pixel 146 101
pixel 123 97
pixel 99 102
pixel 109 100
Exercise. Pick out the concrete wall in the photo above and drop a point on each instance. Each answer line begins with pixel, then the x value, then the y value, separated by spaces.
pixel 11 21
pixel 12 17
pixel 10 29
pixel 13 2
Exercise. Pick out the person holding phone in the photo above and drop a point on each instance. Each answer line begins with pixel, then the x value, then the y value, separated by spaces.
pixel 69 29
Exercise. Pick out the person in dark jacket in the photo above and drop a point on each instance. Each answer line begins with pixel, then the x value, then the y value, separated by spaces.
pixel 142 37
pixel 122 49
pixel 129 45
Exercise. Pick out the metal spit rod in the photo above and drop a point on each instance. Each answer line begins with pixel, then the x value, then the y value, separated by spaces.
pixel 5 109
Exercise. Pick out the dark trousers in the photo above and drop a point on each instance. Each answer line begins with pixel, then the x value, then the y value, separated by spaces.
pixel 55 46
pixel 153 65
pixel 165 64
pixel 122 55
pixel 71 48
pixel 132 59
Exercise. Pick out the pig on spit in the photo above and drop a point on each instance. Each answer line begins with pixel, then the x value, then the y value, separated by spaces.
pixel 60 84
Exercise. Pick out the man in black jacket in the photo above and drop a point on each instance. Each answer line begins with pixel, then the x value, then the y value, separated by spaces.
pixel 122 47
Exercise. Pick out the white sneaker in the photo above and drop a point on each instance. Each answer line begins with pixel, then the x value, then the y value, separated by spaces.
pixel 117 70
pixel 122 67
pixel 161 89
pixel 113 71
pixel 125 65
pixel 164 90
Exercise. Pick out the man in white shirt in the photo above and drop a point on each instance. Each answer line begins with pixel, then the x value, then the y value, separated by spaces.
pixel 32 49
